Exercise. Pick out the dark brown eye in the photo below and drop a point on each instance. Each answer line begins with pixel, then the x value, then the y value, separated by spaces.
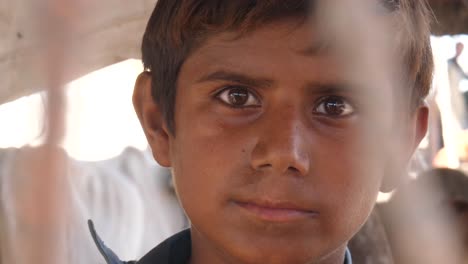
pixel 334 106
pixel 238 97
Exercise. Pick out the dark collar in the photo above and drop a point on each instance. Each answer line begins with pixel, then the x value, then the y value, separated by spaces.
pixel 107 253
pixel 348 259
pixel 174 250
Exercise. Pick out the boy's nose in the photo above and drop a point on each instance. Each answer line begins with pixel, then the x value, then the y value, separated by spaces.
pixel 282 145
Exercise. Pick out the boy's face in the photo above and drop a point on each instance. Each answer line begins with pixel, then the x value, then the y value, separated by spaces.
pixel 276 158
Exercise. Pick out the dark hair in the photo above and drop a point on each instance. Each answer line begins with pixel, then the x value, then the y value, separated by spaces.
pixel 177 27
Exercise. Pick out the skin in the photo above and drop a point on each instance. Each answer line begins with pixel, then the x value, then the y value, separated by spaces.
pixel 280 178
pixel 459 49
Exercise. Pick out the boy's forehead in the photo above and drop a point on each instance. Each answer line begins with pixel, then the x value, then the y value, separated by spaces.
pixel 264 52
pixel 299 38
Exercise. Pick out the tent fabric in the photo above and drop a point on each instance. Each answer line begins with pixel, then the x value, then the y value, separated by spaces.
pixel 107 32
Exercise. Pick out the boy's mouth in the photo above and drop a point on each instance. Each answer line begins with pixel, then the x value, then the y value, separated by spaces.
pixel 276 211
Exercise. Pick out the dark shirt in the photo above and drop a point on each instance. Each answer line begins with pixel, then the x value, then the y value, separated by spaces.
pixel 174 250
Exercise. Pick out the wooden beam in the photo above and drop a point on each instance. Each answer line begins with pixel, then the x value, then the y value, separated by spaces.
pixel 451 17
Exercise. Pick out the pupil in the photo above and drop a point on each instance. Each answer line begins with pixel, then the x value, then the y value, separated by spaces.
pixel 238 96
pixel 335 107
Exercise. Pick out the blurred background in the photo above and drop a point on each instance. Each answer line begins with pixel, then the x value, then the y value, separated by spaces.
pixel 109 169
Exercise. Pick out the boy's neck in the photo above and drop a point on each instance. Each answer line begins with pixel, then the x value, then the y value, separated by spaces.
pixel 203 253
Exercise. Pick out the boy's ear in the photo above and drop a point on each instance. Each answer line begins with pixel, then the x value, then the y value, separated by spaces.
pixel 396 165
pixel 151 119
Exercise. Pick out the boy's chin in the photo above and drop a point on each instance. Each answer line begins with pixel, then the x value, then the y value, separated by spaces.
pixel 276 257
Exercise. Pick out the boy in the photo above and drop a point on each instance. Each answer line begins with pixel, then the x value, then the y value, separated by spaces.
pixel 269 142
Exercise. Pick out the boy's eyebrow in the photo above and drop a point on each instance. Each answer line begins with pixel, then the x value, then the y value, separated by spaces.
pixel 317 48
pixel 314 87
pixel 323 88
pixel 235 77
pixel 223 75
pixel 333 88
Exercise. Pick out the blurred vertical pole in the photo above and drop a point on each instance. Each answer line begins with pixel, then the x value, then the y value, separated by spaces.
pixel 42 198
pixel 57 23
pixel 364 42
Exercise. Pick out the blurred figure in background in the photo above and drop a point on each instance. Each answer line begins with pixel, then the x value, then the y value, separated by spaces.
pixel 456 74
pixel 129 198
pixel 449 120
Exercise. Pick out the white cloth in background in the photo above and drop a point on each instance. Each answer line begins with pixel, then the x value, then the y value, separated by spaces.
pixel 128 197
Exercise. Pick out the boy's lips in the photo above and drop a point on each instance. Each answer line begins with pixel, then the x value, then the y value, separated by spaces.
pixel 276 211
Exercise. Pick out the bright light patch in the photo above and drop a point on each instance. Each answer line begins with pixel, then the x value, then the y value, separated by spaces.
pixel 101 121
pixel 100 118
pixel 22 121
